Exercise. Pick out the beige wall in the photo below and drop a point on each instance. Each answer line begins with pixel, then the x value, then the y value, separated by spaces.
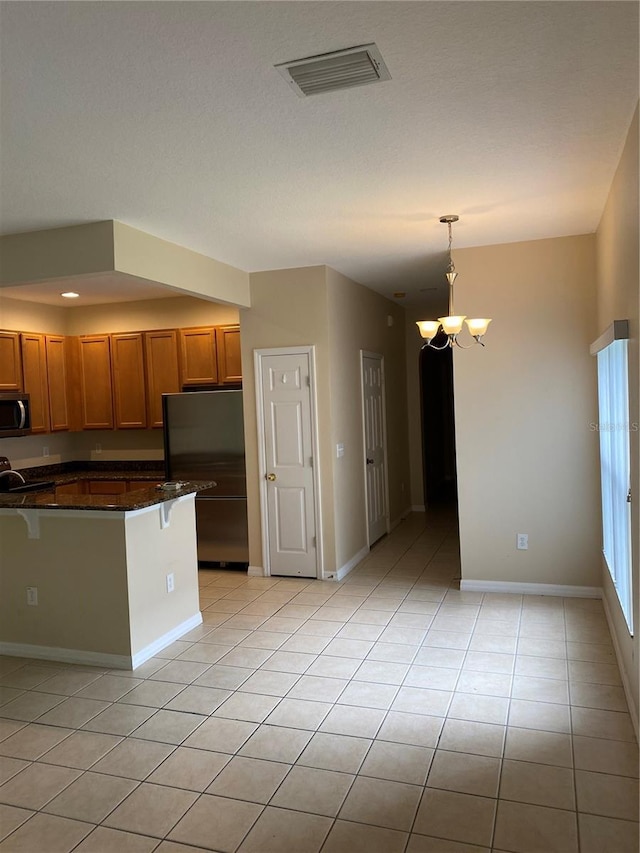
pixel 316 306
pixel 358 320
pixel 527 459
pixel 618 299
pixel 172 313
pixel 112 565
pixel 288 308
pixel 152 553
pixel 123 445
pixel 22 316
pixel 79 569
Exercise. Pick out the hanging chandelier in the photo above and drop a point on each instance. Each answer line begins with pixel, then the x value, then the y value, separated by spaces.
pixel 452 323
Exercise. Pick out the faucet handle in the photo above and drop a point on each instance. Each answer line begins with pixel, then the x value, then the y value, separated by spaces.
pixel 5 465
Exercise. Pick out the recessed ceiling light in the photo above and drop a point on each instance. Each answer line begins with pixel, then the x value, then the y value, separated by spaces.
pixel 399 294
pixel 70 294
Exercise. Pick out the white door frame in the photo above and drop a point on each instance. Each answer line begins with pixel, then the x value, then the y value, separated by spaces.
pixel 258 355
pixel 366 354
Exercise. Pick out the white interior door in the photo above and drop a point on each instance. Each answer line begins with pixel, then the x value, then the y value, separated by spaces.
pixel 289 510
pixel 375 445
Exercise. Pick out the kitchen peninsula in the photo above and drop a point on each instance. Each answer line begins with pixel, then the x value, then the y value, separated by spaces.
pixel 100 579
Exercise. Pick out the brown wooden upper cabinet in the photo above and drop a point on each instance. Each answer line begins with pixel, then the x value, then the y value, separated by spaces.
pixel 228 350
pixel 59 414
pixel 127 373
pixel 78 487
pixel 95 382
pixel 163 375
pixel 34 372
pixel 198 362
pixel 10 362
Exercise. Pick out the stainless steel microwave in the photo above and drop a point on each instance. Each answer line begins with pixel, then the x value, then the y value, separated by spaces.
pixel 15 414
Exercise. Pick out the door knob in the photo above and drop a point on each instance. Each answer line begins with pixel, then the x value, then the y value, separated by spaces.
pixel 370 461
pixel 271 477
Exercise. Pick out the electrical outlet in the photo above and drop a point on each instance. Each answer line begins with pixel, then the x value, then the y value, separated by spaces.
pixel 45 451
pixel 98 448
pixel 522 543
pixel 339 450
pixel 171 585
pixel 32 596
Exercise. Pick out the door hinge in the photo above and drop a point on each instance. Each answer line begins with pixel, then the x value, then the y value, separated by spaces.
pixel 311 462
pixel 308 381
pixel 629 496
pixel 313 541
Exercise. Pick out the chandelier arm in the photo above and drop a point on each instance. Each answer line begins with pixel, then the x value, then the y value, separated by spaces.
pixel 432 346
pixel 462 346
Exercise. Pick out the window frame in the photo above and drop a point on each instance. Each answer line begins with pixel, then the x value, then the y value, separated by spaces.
pixel 613 428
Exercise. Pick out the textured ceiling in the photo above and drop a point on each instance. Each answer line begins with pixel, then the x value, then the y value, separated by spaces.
pixel 171 118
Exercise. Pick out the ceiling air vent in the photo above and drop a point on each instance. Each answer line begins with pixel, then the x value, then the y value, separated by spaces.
pixel 341 69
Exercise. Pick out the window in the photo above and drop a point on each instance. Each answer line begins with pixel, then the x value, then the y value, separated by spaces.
pixel 613 429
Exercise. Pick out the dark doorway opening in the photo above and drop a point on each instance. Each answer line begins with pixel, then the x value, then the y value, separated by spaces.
pixel 438 424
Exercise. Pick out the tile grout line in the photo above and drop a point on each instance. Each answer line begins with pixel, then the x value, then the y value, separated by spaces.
pixel 405 584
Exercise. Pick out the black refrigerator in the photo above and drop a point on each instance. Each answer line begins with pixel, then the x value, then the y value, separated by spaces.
pixel 204 440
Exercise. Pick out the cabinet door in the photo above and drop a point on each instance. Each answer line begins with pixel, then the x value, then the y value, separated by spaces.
pixel 127 363
pixel 134 485
pixel 79 487
pixel 34 372
pixel 198 357
pixel 228 349
pixel 10 366
pixel 95 382
pixel 107 487
pixel 57 382
pixel 163 377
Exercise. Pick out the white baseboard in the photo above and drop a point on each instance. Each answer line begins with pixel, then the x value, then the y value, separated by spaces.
pixel 564 590
pixel 633 711
pixel 343 571
pixel 26 650
pixel 418 508
pixel 165 640
pixel 256 572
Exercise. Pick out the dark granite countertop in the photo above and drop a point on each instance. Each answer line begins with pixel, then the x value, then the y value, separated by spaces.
pixel 71 472
pixel 125 502
pixel 60 479
pixel 67 472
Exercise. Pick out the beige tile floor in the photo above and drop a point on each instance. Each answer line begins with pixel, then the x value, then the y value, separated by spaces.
pixel 389 713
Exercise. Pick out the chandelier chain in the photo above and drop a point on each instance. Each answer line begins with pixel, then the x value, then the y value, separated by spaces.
pixel 451 264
